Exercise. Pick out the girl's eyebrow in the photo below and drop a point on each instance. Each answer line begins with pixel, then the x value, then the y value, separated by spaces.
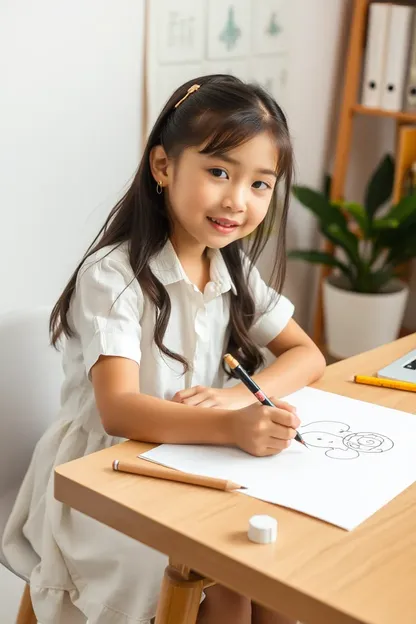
pixel 233 161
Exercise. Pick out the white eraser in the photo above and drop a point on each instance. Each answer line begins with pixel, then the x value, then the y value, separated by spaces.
pixel 262 529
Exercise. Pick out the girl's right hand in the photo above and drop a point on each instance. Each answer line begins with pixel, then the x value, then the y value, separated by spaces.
pixel 261 430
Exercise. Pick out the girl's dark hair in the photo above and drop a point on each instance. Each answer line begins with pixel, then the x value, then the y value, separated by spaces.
pixel 223 114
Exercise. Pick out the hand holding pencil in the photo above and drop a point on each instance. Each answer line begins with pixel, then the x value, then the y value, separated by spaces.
pixel 278 424
pixel 263 428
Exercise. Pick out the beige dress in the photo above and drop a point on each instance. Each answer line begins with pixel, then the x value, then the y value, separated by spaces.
pixel 80 569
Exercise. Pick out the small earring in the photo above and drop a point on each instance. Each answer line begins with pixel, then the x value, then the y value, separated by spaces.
pixel 159 188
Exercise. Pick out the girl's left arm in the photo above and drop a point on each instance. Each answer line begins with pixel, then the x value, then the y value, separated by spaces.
pixel 298 363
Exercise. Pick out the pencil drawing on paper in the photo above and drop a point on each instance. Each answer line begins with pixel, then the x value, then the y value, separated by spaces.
pixel 341 443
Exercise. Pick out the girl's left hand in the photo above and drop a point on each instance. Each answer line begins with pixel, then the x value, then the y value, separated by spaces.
pixel 233 398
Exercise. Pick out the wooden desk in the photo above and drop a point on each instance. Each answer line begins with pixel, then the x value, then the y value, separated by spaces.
pixel 315 572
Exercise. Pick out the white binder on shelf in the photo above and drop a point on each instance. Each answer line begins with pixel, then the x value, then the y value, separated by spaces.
pixel 410 89
pixel 375 54
pixel 397 56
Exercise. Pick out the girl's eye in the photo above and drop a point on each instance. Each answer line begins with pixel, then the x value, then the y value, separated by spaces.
pixel 258 183
pixel 217 173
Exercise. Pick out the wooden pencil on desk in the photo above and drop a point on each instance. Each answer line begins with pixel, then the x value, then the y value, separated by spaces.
pixel 160 472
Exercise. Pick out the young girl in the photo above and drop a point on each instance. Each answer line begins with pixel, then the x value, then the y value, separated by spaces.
pixel 163 293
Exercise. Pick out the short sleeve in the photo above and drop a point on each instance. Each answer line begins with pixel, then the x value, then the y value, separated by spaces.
pixel 273 311
pixel 106 310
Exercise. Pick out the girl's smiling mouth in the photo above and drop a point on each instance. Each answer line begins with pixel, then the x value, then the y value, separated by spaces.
pixel 224 226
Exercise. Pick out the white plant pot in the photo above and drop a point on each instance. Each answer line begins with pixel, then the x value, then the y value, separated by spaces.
pixel 357 322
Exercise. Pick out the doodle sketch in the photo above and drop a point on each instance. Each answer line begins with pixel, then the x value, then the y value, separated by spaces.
pixel 340 442
pixel 270 27
pixel 229 29
pixel 179 35
pixel 231 33
pixel 273 28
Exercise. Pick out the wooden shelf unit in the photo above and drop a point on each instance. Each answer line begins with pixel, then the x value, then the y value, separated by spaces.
pixel 401 116
pixel 349 109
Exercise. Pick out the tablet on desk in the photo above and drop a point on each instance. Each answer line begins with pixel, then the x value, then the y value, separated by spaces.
pixel 403 369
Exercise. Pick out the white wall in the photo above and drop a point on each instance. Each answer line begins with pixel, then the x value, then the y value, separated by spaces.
pixel 70 126
pixel 70 122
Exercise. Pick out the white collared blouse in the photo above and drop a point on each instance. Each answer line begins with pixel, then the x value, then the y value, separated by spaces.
pixel 111 316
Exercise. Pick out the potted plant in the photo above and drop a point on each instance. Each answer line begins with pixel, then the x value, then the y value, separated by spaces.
pixel 364 299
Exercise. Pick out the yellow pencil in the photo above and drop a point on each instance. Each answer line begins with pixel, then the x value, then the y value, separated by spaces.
pixel 385 383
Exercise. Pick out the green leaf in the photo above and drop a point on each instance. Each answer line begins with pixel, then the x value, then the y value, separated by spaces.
pixel 319 205
pixel 386 223
pixel 380 186
pixel 320 257
pixel 404 251
pixel 397 239
pixel 375 281
pixel 344 239
pixel 381 278
pixel 359 214
pixel 405 209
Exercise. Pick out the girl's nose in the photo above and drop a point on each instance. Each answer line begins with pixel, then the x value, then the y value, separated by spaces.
pixel 235 200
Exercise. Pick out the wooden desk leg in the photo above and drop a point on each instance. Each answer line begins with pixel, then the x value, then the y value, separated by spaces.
pixel 180 595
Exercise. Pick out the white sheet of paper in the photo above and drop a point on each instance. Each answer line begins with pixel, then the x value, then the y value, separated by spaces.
pixel 359 457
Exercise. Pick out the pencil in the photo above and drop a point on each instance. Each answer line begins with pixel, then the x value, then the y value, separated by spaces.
pixel 385 383
pixel 243 375
pixel 160 472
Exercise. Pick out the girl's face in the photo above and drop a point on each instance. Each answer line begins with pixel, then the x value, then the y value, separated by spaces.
pixel 214 200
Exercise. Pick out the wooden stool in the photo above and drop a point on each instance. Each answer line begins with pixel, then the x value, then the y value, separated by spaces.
pixel 180 595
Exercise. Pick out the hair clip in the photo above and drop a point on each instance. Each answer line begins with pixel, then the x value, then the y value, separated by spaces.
pixel 194 87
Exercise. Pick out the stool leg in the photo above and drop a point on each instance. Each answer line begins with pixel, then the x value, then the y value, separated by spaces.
pixel 180 596
pixel 26 614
